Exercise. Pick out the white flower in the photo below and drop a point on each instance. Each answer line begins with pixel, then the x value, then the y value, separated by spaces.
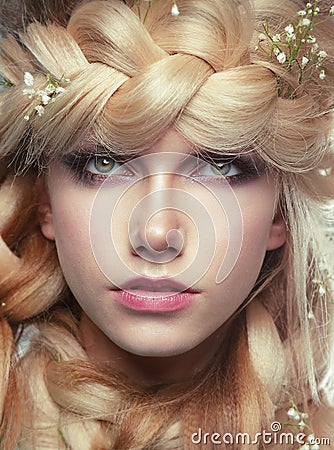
pixel 26 117
pixel 331 11
pixel 276 51
pixel 276 38
pixel 293 414
pixel 304 447
pixel 306 22
pixel 262 37
pixel 315 48
pixel 28 79
pixel 45 99
pixel 290 32
pixel 29 92
pixel 322 291
pixel 59 90
pixel 314 447
pixel 305 61
pixel 39 109
pixel 175 10
pixel 302 12
pixel 322 54
pixel 311 39
pixel 325 172
pixel 289 29
pixel 308 5
pixel 322 74
pixel 310 315
pixel 301 425
pixel 281 58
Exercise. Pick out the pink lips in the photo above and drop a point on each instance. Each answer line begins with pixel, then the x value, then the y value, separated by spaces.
pixel 155 295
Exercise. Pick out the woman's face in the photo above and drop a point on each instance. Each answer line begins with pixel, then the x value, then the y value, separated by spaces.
pixel 150 297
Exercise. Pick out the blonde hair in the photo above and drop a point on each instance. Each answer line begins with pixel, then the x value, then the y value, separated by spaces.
pixel 131 82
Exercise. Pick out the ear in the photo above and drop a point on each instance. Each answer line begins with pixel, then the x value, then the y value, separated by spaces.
pixel 277 235
pixel 44 210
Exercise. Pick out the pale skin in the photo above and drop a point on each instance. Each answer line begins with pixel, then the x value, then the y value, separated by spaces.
pixel 157 347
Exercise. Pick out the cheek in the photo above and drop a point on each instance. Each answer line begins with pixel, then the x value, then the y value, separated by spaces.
pixel 257 213
pixel 257 205
pixel 71 215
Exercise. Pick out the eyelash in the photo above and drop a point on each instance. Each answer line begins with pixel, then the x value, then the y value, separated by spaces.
pixel 78 162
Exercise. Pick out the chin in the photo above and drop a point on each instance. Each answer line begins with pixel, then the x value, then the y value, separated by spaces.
pixel 154 351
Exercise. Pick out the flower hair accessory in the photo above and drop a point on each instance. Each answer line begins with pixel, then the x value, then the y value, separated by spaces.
pixel 174 9
pixel 296 49
pixel 42 97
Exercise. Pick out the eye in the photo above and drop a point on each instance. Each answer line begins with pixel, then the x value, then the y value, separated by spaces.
pixel 102 165
pixel 219 168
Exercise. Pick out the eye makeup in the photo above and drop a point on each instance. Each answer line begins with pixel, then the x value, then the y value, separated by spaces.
pixel 91 168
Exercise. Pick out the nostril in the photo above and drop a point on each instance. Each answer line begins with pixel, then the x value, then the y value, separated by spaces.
pixel 175 240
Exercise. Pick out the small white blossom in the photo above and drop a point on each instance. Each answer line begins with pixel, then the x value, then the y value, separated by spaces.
pixel 305 61
pixel 276 38
pixel 311 39
pixel 29 92
pixel 289 29
pixel 306 22
pixel 262 37
pixel 281 57
pixel 311 315
pixel 315 48
pixel 276 51
pixel 308 5
pixel 175 10
pixel 28 79
pixel 322 74
pixel 59 90
pixel 39 109
pixel 26 117
pixel 290 32
pixel 301 425
pixel 293 414
pixel 45 99
pixel 302 12
pixel 316 11
pixel 322 54
pixel 331 11
pixel 322 291
pixel 325 172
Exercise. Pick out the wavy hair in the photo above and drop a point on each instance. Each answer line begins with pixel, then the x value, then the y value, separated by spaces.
pixel 130 82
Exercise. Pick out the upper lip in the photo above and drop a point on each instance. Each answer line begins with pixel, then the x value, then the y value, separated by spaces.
pixel 156 285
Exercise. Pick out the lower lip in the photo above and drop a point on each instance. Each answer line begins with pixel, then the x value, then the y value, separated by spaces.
pixel 156 302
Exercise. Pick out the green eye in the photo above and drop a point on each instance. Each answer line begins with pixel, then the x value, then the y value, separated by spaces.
pixel 102 165
pixel 222 168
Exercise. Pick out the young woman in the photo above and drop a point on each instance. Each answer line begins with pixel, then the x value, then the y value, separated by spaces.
pixel 165 252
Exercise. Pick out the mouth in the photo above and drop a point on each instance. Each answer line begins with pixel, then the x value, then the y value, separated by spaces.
pixel 156 286
pixel 155 295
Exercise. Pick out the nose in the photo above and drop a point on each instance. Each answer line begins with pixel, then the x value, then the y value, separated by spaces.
pixel 157 233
